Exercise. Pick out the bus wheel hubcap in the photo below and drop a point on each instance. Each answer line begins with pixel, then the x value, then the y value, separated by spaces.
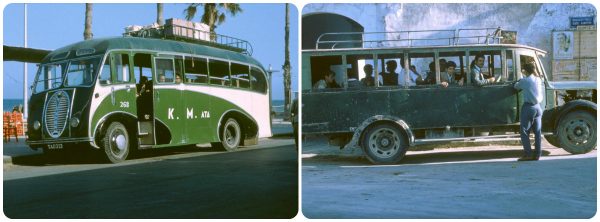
pixel 384 143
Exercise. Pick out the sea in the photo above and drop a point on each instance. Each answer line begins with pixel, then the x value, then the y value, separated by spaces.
pixel 9 104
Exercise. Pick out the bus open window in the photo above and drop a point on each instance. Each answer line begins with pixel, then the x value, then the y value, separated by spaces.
pixel 196 70
pixel 424 66
pixel 258 81
pixel 219 72
pixel 510 64
pixel 240 76
pixel 142 66
pixel 322 65
pixel 179 70
pixel 456 76
pixel 492 66
pixel 121 63
pixel 165 71
pixel 81 72
pixel 389 68
pixel 361 71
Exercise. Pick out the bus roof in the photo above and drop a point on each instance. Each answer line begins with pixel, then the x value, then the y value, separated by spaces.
pixel 100 46
pixel 418 48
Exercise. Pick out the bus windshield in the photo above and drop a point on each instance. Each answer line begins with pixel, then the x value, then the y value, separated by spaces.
pixel 49 76
pixel 81 72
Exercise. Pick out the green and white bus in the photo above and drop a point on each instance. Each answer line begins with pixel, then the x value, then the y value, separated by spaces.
pixel 124 93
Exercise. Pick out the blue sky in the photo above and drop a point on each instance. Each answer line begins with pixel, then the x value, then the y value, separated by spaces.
pixel 51 26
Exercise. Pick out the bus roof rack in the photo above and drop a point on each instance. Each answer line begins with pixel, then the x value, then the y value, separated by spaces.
pixel 187 33
pixel 470 36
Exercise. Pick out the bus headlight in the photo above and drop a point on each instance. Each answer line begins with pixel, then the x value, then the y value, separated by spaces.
pixel 74 122
pixel 36 125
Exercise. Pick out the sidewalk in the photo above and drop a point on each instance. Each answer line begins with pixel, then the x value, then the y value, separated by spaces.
pixel 14 149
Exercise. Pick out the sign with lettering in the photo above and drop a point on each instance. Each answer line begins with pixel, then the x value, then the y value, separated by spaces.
pixel 578 21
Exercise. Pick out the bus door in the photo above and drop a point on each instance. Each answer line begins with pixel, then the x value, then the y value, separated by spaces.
pixel 168 103
pixel 142 69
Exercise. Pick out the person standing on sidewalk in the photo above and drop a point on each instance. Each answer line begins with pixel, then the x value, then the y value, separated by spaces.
pixel 531 112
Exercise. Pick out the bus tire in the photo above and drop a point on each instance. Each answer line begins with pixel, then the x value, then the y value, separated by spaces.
pixel 116 142
pixel 552 140
pixel 384 144
pixel 231 135
pixel 577 132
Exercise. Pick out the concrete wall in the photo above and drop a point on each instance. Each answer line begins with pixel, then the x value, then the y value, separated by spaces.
pixel 534 23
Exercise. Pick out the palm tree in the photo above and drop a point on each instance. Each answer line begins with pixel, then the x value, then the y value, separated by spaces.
pixel 286 65
pixel 213 15
pixel 87 32
pixel 159 14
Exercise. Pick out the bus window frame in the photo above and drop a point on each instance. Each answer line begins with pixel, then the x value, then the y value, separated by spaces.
pixel 205 63
pixel 155 69
pixel 68 64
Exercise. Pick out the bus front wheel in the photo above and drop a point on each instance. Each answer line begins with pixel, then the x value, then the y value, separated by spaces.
pixel 384 144
pixel 116 142
pixel 231 135
pixel 577 132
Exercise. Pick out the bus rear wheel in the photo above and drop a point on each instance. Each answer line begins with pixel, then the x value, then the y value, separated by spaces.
pixel 231 135
pixel 577 132
pixel 384 144
pixel 116 142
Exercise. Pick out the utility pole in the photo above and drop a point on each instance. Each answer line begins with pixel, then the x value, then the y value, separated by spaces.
pixel 286 65
pixel 25 94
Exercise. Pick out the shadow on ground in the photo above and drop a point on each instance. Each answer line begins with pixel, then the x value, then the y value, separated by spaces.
pixel 419 158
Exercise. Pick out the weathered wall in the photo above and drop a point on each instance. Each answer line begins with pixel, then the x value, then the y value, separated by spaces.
pixel 534 23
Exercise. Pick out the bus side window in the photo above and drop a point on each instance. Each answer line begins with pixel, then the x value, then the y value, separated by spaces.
pixel 239 76
pixel 142 66
pixel 258 80
pixel 121 68
pixel 105 74
pixel 510 64
pixel 164 71
pixel 360 71
pixel 321 65
pixel 196 70
pixel 219 72
pixel 179 69
pixel 456 75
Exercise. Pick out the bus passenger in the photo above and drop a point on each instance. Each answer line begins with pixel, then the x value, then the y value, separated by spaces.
pixel 162 78
pixel 477 74
pixel 450 76
pixel 390 78
pixel 369 80
pixel 328 81
pixel 353 82
pixel 177 79
pixel 414 75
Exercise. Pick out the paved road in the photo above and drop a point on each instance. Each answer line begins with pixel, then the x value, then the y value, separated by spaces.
pixel 476 182
pixel 257 183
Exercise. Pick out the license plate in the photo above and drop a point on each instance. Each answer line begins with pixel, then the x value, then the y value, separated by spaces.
pixel 55 146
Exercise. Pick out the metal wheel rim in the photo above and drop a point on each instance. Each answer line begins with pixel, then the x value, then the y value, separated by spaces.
pixel 384 143
pixel 231 135
pixel 118 143
pixel 578 132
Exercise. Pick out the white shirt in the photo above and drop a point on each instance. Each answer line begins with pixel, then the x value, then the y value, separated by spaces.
pixel 533 91
pixel 412 80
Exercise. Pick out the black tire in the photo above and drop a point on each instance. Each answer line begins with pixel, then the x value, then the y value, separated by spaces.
pixel 231 135
pixel 384 144
pixel 576 132
pixel 116 142
pixel 553 140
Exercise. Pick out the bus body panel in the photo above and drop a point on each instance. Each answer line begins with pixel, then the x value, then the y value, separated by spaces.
pixel 191 113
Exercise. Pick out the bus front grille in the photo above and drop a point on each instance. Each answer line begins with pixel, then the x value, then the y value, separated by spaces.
pixel 57 109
